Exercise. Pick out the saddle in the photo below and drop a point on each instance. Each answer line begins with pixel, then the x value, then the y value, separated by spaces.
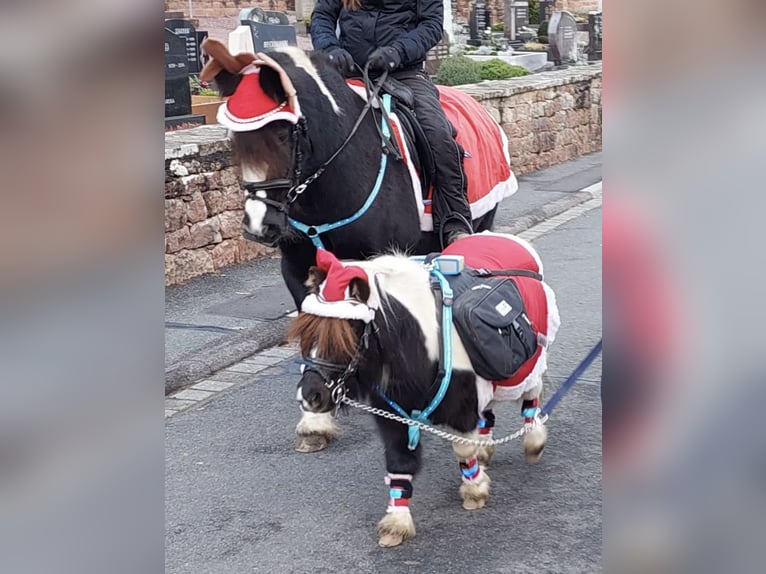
pixel 404 107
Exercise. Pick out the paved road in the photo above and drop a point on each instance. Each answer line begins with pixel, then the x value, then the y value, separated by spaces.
pixel 239 499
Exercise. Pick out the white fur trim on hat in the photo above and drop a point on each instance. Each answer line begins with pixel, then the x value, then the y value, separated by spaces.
pixel 348 309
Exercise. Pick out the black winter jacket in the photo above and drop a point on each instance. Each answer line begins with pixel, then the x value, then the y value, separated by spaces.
pixel 379 23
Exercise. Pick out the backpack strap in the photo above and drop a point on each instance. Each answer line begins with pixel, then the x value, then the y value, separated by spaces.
pixel 506 273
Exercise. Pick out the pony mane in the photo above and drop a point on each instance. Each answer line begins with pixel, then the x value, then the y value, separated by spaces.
pixel 334 339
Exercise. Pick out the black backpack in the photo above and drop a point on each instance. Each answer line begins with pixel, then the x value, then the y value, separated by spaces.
pixel 490 317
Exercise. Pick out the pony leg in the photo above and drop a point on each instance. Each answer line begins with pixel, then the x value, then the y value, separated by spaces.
pixel 475 487
pixel 397 524
pixel 535 435
pixel 315 431
pixel 484 428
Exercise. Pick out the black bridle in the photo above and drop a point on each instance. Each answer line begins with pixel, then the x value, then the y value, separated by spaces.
pixel 293 185
pixel 335 375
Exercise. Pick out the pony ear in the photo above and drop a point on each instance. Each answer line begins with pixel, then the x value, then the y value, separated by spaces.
pixel 359 289
pixel 315 279
pixel 271 84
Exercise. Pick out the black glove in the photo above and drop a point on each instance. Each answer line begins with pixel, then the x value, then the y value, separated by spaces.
pixel 342 60
pixel 385 58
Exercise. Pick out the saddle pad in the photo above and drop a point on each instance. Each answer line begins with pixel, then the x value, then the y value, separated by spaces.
pixel 487 169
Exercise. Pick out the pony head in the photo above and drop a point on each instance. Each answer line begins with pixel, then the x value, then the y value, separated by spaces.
pixel 270 136
pixel 332 329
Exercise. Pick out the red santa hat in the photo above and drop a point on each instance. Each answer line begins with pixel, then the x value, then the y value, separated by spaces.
pixel 334 297
pixel 250 108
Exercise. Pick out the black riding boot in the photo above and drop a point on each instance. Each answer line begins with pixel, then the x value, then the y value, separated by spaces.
pixel 450 209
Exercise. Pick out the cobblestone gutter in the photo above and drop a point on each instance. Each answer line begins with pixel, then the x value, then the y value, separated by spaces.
pixel 549 118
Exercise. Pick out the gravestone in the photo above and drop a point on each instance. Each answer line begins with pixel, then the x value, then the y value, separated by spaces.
pixel 479 20
pixel 185 29
pixel 516 16
pixel 562 36
pixel 203 58
pixel 595 36
pixel 545 9
pixel 270 30
pixel 178 104
pixel 436 55
pixel 303 9
pixel 177 91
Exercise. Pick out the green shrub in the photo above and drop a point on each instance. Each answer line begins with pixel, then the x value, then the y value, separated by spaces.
pixel 542 32
pixel 498 70
pixel 457 70
pixel 499 27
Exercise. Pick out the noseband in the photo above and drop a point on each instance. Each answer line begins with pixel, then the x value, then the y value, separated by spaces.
pixel 335 375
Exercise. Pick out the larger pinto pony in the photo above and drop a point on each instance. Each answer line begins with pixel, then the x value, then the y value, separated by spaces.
pixel 313 165
pixel 371 330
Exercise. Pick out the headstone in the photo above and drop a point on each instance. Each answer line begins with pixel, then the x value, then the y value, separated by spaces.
pixel 185 29
pixel 435 56
pixel 545 9
pixel 479 20
pixel 275 31
pixel 562 36
pixel 303 9
pixel 203 58
pixel 177 90
pixel 516 16
pixel 595 36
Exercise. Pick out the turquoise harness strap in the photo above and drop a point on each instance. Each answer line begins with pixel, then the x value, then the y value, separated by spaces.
pixel 422 416
pixel 314 231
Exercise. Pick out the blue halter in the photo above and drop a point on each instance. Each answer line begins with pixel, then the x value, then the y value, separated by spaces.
pixel 422 416
pixel 314 231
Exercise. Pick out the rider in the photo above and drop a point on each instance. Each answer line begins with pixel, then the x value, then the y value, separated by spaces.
pixel 395 35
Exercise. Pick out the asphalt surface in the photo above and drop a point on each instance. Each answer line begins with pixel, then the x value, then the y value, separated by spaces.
pixel 218 319
pixel 239 499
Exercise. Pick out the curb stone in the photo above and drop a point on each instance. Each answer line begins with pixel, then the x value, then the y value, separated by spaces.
pixel 202 363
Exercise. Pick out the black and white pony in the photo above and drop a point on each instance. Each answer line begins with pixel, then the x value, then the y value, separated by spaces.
pixel 371 330
pixel 314 169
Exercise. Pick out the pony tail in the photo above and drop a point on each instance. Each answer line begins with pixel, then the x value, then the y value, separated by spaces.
pixel 352 5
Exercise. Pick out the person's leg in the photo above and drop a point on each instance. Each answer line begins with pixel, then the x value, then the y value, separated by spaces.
pixel 451 211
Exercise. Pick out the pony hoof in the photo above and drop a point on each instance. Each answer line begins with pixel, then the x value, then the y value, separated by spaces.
pixel 475 493
pixel 310 443
pixel 394 528
pixel 389 540
pixel 474 503
pixel 533 455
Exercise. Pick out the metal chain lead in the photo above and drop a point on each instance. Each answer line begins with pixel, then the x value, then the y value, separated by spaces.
pixel 433 430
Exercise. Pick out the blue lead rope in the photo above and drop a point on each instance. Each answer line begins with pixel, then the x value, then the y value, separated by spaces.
pixel 413 432
pixel 314 231
pixel 576 374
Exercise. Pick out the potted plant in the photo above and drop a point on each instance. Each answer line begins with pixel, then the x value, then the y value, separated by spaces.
pixel 205 101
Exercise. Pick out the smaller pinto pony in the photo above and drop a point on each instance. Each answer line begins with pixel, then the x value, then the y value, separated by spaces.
pixel 379 330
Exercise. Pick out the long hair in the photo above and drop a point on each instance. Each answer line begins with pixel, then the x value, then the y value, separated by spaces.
pixel 352 5
pixel 335 339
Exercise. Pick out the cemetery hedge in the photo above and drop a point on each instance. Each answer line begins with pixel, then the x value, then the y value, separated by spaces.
pixel 498 70
pixel 458 70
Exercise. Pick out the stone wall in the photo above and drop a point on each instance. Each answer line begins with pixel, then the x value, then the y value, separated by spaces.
pixel 549 118
pixel 221 8
pixel 203 206
pixel 218 8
